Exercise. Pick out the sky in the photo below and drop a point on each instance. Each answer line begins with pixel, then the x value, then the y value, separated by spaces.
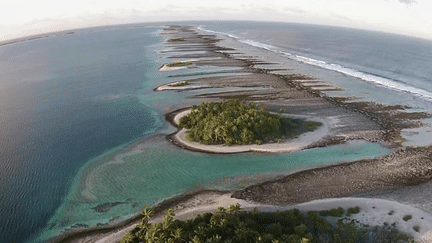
pixel 20 18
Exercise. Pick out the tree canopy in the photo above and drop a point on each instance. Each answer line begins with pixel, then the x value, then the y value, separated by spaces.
pixel 234 122
pixel 230 224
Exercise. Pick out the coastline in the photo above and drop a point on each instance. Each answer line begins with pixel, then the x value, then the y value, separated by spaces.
pixel 305 140
pixel 165 68
pixel 374 212
pixel 375 126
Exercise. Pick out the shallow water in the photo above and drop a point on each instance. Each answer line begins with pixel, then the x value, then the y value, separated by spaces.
pixel 156 170
pixel 66 100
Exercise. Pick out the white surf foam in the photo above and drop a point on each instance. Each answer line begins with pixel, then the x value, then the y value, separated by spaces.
pixel 388 83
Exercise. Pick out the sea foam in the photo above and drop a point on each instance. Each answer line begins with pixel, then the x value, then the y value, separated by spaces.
pixel 370 78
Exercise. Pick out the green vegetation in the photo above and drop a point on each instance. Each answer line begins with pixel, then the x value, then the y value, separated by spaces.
pixel 234 122
pixel 354 210
pixel 176 40
pixel 178 84
pixel 179 64
pixel 335 212
pixel 311 126
pixel 232 225
pixel 416 228
pixel 349 232
pixel 404 238
pixel 407 217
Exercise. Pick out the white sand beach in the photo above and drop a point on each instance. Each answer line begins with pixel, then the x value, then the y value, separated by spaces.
pixel 376 212
pixel 288 145
pixel 373 212
pixel 166 68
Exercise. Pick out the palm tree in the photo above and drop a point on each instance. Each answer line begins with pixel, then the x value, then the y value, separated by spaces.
pixel 148 212
pixel 234 208
pixel 177 236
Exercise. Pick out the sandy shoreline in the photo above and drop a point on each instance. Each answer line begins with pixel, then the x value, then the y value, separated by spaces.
pixel 373 212
pixel 166 68
pixel 305 140
pixel 343 121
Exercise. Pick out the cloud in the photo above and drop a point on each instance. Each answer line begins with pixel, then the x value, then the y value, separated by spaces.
pixel 408 2
pixel 295 10
pixel 340 16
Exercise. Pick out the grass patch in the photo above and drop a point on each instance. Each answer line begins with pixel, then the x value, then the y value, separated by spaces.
pixel 407 217
pixel 178 64
pixel 416 228
pixel 354 210
pixel 179 84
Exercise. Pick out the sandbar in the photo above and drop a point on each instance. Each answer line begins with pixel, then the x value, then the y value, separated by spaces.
pixel 166 68
pixel 173 87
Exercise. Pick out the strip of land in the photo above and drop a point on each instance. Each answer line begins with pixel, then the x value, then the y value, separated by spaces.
pixel 174 86
pixel 166 68
pixel 373 212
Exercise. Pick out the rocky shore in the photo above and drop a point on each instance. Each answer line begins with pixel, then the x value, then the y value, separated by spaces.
pixel 294 93
pixel 406 167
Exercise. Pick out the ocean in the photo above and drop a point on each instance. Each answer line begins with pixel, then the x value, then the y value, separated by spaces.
pixel 394 61
pixel 82 127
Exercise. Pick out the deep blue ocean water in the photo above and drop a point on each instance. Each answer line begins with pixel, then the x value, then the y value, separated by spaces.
pixel 81 126
pixel 65 100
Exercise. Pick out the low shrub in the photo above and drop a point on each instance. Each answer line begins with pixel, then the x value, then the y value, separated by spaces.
pixel 311 126
pixel 335 212
pixel 178 64
pixel 179 84
pixel 354 210
pixel 407 217
pixel 402 237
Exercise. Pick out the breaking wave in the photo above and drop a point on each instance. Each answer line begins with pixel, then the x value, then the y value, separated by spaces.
pixel 374 79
